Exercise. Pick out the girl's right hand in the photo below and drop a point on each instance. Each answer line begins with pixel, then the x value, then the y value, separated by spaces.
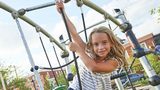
pixel 59 5
pixel 73 47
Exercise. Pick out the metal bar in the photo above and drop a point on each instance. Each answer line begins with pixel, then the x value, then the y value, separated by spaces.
pixel 100 10
pixel 29 55
pixel 68 68
pixel 88 28
pixel 10 10
pixel 74 55
pixel 40 6
pixel 137 48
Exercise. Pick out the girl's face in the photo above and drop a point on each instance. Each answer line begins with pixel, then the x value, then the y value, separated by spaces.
pixel 101 44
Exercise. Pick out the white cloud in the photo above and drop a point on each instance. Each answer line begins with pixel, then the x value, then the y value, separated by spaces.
pixel 136 12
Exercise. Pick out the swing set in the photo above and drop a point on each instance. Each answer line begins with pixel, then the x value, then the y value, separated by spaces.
pixel 119 19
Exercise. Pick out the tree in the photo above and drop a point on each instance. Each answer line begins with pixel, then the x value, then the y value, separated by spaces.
pixel 8 73
pixel 153 60
pixel 153 11
pixel 136 65
pixel 73 69
pixel 48 85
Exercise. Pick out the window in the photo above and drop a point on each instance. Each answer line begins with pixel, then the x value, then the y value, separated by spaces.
pixel 153 43
pixel 48 74
pixel 143 45
pixel 59 73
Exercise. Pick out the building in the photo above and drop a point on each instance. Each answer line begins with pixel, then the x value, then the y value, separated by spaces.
pixel 148 41
pixel 32 82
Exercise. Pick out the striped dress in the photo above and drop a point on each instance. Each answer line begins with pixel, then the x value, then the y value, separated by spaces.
pixel 92 80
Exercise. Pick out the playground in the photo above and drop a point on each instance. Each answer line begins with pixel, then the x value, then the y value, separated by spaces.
pixel 35 37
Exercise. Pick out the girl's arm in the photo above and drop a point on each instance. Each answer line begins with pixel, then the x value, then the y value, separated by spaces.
pixel 77 39
pixel 107 66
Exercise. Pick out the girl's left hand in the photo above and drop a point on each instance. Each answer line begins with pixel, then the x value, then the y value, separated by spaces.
pixel 73 47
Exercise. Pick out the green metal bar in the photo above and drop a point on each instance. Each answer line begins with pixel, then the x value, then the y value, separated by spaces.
pixel 10 10
pixel 101 11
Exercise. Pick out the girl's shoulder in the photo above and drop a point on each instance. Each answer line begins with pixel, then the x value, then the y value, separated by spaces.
pixel 115 60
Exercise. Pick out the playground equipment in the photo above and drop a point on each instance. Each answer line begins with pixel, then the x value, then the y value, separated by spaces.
pixel 124 25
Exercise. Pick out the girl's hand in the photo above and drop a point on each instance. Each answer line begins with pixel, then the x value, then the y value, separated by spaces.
pixel 59 5
pixel 73 47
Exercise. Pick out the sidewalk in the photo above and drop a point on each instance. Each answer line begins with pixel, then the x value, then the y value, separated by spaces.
pixel 148 87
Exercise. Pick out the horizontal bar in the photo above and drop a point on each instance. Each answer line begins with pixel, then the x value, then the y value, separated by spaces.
pixel 40 6
pixel 10 10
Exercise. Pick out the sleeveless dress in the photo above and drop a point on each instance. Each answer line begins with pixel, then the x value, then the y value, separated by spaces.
pixel 92 80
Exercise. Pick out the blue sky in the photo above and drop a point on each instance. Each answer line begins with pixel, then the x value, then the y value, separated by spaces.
pixel 13 51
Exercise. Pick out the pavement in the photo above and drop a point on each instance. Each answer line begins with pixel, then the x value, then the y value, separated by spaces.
pixel 148 87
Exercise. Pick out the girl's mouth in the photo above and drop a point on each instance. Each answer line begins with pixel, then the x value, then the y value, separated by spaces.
pixel 101 52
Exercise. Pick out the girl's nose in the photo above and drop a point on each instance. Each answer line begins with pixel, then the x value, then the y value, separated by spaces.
pixel 101 46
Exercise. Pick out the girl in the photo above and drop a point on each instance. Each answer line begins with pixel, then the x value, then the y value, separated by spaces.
pixel 102 54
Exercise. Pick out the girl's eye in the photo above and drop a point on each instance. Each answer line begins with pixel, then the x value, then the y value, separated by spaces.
pixel 104 42
pixel 95 44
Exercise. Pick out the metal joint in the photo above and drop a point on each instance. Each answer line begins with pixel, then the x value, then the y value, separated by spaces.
pixel 51 39
pixel 154 80
pixel 139 53
pixel 15 14
pixel 38 29
pixel 106 16
pixel 125 27
pixel 66 1
pixel 64 54
pixel 117 16
pixel 79 3
pixel 22 11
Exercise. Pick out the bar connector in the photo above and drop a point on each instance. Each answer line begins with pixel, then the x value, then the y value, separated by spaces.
pixel 106 16
pixel 154 80
pixel 66 1
pixel 79 2
pixel 125 27
pixel 22 11
pixel 15 14
pixel 64 54
pixel 38 29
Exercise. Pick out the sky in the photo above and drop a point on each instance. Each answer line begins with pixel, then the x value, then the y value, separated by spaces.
pixel 12 49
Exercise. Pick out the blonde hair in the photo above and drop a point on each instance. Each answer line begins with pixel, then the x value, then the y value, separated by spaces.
pixel 117 50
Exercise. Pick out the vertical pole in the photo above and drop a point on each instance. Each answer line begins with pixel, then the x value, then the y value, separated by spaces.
pixel 15 16
pixel 2 81
pixel 68 68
